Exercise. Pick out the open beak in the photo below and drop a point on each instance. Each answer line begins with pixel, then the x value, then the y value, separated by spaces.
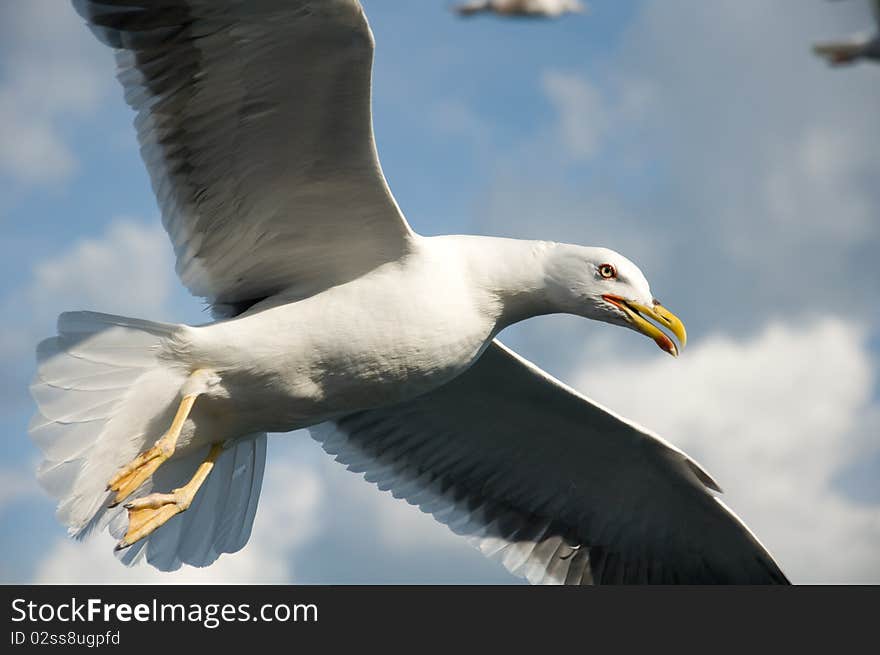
pixel 639 316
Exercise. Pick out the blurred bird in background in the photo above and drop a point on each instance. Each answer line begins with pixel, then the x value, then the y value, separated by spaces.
pixel 860 46
pixel 529 8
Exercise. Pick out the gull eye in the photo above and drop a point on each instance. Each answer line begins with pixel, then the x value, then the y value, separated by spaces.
pixel 607 271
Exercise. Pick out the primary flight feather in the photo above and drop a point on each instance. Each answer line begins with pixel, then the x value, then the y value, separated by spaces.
pixel 255 124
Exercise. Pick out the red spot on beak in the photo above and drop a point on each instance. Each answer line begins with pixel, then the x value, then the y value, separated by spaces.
pixel 666 344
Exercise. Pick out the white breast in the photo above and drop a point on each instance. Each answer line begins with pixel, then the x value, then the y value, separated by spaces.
pixel 395 333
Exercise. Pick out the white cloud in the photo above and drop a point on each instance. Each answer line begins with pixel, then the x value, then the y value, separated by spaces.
pixel 128 270
pixel 287 518
pixel 761 144
pixel 52 68
pixel 774 419
pixel 725 145
pixel 735 168
pixel 582 115
pixel 815 183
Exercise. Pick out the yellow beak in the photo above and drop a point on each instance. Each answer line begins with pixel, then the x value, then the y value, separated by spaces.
pixel 638 315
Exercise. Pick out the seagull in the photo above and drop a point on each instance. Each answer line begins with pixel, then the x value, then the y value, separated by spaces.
pixel 332 314
pixel 530 8
pixel 865 46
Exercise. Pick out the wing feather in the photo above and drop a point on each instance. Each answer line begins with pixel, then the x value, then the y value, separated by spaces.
pixel 255 125
pixel 557 488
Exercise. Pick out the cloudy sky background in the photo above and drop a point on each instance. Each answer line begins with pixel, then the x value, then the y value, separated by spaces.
pixel 701 139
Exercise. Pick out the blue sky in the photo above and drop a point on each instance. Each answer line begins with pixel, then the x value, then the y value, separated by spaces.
pixel 701 139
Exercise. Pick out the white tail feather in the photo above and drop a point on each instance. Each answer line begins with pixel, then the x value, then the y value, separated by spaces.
pixel 104 393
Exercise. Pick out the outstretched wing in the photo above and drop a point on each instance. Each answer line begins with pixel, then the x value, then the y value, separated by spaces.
pixel 558 488
pixel 255 124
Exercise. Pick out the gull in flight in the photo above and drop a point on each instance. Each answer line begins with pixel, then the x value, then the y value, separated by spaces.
pixel 332 314
pixel 864 46
pixel 532 8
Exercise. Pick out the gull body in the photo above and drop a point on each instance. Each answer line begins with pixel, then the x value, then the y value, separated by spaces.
pixel 398 332
pixel 255 124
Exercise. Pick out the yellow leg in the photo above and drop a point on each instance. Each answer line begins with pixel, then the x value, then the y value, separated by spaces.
pixel 133 474
pixel 150 512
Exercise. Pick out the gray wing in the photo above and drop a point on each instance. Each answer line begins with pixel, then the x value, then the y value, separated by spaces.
pixel 556 487
pixel 255 125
